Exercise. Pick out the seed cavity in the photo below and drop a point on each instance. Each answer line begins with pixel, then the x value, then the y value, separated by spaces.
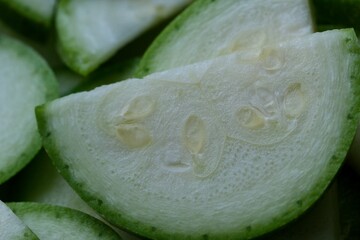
pixel 133 135
pixel 272 60
pixel 194 134
pixel 250 117
pixel 294 101
pixel 250 40
pixel 267 100
pixel 138 108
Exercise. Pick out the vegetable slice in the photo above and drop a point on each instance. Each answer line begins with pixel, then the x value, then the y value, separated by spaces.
pixel 26 81
pixel 91 31
pixel 54 222
pixel 11 227
pixel 212 28
pixel 228 140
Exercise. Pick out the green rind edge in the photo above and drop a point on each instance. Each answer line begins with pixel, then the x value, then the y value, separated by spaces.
pixel 298 208
pixel 50 84
pixel 104 231
pixel 26 235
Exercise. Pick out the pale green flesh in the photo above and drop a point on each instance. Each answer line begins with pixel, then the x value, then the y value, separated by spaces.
pixel 11 227
pixel 91 31
pixel 26 81
pixel 213 28
pixel 253 133
pixel 54 222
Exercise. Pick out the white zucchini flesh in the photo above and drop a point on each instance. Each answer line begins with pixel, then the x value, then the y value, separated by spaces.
pixel 11 227
pixel 90 31
pixel 26 81
pixel 54 222
pixel 232 147
pixel 208 29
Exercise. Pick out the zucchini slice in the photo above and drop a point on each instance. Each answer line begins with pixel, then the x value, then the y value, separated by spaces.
pixel 208 29
pixel 232 147
pixel 11 227
pixel 26 81
pixel 91 31
pixel 55 222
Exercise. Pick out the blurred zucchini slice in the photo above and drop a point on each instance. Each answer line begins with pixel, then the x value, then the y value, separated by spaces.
pixel 11 227
pixel 208 29
pixel 26 81
pixel 55 222
pixel 91 31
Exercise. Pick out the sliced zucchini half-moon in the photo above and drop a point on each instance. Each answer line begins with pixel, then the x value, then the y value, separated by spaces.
pixel 229 148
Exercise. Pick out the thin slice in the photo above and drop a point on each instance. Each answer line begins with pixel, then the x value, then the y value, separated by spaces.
pixel 54 222
pixel 26 81
pixel 202 151
pixel 91 31
pixel 208 29
pixel 11 227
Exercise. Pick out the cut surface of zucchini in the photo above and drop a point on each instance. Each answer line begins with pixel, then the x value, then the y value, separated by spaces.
pixel 90 31
pixel 55 222
pixel 26 81
pixel 11 227
pixel 232 147
pixel 208 29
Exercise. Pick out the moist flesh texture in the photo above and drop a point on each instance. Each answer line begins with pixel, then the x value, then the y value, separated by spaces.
pixel 251 133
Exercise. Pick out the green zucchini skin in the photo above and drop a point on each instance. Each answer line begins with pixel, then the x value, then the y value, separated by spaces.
pixel 11 227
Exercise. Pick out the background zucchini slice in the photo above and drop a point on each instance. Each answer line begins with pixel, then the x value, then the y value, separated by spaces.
pixel 26 81
pixel 11 227
pixel 208 29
